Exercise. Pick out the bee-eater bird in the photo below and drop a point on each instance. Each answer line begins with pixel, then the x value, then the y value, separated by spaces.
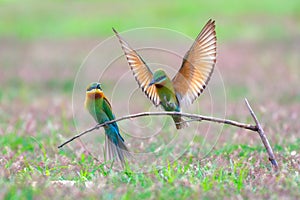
pixel 99 107
pixel 189 82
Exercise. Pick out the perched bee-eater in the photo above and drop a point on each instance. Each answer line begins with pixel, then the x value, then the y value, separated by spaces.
pixel 189 82
pixel 99 107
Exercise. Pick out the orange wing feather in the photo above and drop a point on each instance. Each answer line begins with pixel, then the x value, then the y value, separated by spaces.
pixel 197 66
pixel 141 71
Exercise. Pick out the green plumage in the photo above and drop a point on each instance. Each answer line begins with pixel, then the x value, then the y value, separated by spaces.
pixel 167 96
pixel 99 107
pixel 190 80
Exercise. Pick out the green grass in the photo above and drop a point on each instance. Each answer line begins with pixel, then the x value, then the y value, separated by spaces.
pixel 64 19
pixel 33 168
pixel 185 178
pixel 36 116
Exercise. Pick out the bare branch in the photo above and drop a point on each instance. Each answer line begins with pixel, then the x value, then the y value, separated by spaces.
pixel 79 135
pixel 195 117
pixel 263 138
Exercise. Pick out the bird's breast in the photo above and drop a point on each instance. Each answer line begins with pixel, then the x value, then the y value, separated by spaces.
pixel 94 95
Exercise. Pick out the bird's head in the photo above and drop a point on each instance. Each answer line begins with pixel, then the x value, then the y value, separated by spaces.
pixel 93 87
pixel 94 91
pixel 159 77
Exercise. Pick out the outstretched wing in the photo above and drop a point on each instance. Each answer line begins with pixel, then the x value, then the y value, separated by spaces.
pixel 197 66
pixel 141 71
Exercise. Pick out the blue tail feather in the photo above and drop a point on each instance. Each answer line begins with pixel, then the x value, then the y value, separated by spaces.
pixel 115 147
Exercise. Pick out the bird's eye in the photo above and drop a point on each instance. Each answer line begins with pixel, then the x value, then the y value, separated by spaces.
pixel 98 86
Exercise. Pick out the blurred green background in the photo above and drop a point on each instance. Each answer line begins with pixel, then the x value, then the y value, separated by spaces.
pixel 29 20
pixel 42 44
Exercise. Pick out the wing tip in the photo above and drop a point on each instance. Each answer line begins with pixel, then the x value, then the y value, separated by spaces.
pixel 211 21
pixel 210 25
pixel 207 30
pixel 117 34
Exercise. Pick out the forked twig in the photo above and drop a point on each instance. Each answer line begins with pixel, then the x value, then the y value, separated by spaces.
pixel 195 117
pixel 263 138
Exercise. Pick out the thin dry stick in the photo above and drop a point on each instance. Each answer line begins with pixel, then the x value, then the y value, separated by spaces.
pixel 263 138
pixel 194 117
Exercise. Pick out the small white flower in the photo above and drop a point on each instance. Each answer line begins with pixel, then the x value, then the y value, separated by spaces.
pixel 293 153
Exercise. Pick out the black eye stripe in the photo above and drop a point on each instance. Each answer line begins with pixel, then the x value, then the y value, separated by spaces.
pixel 94 86
pixel 89 89
pixel 99 86
pixel 160 78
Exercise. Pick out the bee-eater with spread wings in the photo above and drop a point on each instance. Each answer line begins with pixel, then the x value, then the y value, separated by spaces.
pixel 99 107
pixel 189 82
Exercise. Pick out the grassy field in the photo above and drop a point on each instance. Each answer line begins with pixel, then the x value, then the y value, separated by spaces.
pixel 42 48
